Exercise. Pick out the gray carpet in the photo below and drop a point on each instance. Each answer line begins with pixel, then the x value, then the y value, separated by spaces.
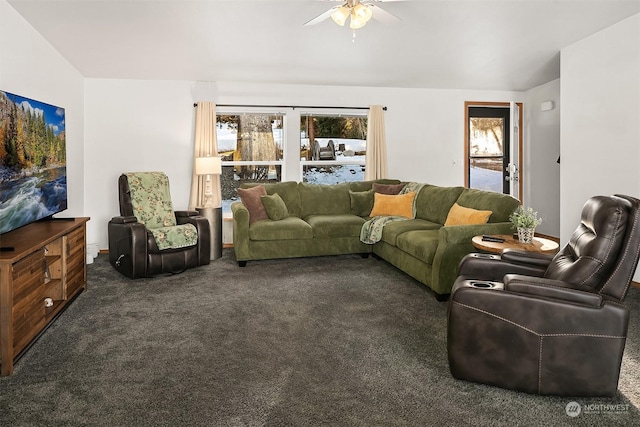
pixel 318 341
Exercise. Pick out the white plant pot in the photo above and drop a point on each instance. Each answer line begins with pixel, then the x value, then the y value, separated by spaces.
pixel 525 235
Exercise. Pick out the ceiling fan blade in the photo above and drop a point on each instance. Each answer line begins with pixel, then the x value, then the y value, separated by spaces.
pixel 321 17
pixel 379 14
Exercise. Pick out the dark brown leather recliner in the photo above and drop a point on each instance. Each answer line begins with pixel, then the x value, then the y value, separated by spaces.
pixel 552 325
pixel 133 249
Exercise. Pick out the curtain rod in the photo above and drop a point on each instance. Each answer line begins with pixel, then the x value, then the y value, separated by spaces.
pixel 290 106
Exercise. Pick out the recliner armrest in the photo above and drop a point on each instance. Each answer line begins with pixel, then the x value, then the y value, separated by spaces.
pixel 203 228
pixel 128 246
pixel 124 219
pixel 529 258
pixel 494 267
pixel 549 288
pixel 180 214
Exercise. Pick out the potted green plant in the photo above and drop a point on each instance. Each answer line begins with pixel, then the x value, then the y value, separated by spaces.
pixel 525 220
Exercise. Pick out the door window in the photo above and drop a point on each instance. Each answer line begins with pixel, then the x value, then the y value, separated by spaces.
pixel 488 148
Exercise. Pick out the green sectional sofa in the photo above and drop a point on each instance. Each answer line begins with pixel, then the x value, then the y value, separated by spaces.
pixel 328 219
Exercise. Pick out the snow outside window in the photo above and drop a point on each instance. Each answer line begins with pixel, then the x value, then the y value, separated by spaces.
pixel 332 147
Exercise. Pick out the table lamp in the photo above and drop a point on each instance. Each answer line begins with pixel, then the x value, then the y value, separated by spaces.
pixel 210 165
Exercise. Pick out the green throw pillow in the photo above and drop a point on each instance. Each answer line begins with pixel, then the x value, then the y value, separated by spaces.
pixel 275 207
pixel 361 202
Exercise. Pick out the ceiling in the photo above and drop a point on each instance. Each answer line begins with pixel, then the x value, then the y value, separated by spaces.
pixel 462 44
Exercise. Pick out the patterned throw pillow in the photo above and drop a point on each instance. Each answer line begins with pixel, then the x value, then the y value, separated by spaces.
pixel 251 199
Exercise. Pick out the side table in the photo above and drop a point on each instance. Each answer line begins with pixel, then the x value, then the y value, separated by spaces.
pixel 214 216
pixel 539 244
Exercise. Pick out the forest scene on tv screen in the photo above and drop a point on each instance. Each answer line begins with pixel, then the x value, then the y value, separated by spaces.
pixel 33 178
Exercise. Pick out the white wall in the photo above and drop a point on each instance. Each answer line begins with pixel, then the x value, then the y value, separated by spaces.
pixel 134 125
pixel 541 150
pixel 600 125
pixel 31 67
pixel 148 125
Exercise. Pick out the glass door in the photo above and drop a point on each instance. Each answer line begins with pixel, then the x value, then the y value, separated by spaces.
pixel 488 148
pixel 493 147
pixel 513 168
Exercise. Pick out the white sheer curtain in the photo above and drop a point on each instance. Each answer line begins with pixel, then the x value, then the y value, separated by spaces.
pixel 376 158
pixel 205 145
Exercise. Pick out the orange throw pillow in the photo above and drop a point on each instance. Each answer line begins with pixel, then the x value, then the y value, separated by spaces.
pixel 459 215
pixel 393 205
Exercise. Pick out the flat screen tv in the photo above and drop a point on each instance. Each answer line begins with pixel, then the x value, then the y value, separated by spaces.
pixel 33 161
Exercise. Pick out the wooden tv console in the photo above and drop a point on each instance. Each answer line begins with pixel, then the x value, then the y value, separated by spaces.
pixel 45 270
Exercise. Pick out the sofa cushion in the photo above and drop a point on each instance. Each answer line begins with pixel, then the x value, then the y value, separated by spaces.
pixel 289 228
pixel 275 207
pixel 393 205
pixel 433 203
pixel 342 225
pixel 251 198
pixel 502 205
pixel 387 188
pixel 421 244
pixel 322 199
pixel 460 215
pixel 392 230
pixel 361 202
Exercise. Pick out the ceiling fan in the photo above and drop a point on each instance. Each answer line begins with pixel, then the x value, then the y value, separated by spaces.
pixel 357 12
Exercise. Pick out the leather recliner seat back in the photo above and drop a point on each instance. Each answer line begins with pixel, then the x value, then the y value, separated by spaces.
pixel 124 196
pixel 590 257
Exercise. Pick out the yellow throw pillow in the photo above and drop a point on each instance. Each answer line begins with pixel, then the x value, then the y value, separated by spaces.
pixel 393 205
pixel 459 215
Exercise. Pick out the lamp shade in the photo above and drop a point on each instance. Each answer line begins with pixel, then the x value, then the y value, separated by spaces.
pixel 360 15
pixel 340 15
pixel 208 165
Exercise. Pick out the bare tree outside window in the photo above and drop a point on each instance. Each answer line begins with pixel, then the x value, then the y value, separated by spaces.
pixel 251 149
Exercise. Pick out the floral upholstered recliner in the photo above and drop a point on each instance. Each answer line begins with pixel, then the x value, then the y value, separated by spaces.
pixel 149 237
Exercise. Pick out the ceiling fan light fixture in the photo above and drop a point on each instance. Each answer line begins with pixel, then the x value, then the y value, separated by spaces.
pixel 362 12
pixel 356 22
pixel 360 15
pixel 340 15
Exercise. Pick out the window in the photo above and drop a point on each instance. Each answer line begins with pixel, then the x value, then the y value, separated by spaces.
pixel 332 147
pixel 252 149
pixel 266 145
